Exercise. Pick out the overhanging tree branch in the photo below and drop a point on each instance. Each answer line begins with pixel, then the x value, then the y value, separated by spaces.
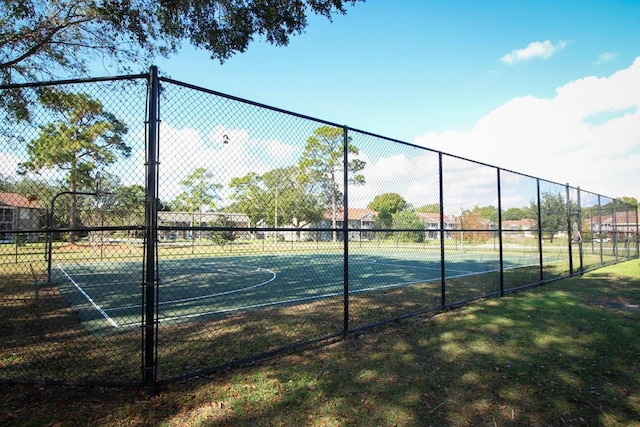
pixel 44 38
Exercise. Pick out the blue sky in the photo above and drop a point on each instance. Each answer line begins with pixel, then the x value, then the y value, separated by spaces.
pixel 547 88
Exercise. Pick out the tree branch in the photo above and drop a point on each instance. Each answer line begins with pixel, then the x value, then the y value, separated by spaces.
pixel 44 41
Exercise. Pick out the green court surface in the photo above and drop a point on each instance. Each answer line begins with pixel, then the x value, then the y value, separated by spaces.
pixel 107 296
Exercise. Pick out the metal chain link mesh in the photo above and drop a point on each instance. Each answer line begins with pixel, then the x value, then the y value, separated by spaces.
pixel 274 230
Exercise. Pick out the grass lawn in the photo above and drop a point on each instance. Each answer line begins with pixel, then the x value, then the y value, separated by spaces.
pixel 566 353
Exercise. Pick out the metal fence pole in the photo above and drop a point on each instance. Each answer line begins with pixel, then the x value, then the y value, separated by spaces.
pixel 151 237
pixel 442 235
pixel 628 236
pixel 614 227
pixel 345 226
pixel 636 234
pixel 600 230
pixel 541 259
pixel 569 229
pixel 499 231
pixel 580 231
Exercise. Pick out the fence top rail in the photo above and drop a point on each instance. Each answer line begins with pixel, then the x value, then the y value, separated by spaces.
pixel 74 81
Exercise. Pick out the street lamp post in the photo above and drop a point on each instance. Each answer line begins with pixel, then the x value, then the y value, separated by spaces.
pixel 275 221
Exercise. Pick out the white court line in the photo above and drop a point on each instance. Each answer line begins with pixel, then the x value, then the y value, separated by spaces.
pixel 201 297
pixel 460 273
pixel 96 306
pixel 309 298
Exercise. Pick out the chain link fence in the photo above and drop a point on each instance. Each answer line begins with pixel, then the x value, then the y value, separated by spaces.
pixel 152 231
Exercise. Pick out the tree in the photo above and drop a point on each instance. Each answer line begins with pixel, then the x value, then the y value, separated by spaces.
pixel 250 196
pixel 200 192
pixel 82 138
pixel 294 203
pixel 514 214
pixel 221 236
pixel 487 212
pixel 473 221
pixel 322 167
pixel 40 38
pixel 429 208
pixel 631 203
pixel 129 205
pixel 553 210
pixel 277 197
pixel 386 205
pixel 408 220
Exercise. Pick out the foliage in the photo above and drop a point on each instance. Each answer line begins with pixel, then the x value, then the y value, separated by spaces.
pixel 40 38
pixel 407 220
pixel 487 212
pixel 632 201
pixel 82 139
pixel 249 196
pixel 278 197
pixel 221 236
pixel 387 205
pixel 553 211
pixel 199 194
pixel 475 221
pixel 429 208
pixel 514 214
pixel 294 203
pixel 128 205
pixel 322 166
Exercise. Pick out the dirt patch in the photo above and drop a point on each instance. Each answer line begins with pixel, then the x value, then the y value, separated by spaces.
pixel 620 303
pixel 623 306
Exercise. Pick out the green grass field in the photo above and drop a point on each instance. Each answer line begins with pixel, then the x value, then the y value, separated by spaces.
pixel 561 354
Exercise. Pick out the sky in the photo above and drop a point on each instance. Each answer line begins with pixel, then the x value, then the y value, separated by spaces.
pixel 547 88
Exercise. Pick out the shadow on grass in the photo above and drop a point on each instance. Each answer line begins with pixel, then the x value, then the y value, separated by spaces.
pixel 44 341
pixel 554 355
pixel 549 356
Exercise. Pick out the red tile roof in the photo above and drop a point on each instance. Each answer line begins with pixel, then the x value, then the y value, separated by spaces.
pixel 17 201
pixel 354 213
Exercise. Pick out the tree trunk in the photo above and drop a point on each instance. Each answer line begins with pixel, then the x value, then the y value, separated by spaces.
pixel 73 212
pixel 73 207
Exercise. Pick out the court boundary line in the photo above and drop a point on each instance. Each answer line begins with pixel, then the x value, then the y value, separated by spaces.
pixel 200 297
pixel 318 297
pixel 461 273
pixel 309 298
pixel 96 306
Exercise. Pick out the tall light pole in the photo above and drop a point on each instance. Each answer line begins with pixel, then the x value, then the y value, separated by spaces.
pixel 461 230
pixel 275 221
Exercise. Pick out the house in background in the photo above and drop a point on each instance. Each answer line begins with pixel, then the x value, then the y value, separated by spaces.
pixel 18 213
pixel 178 225
pixel 621 226
pixel 519 227
pixel 360 222
pixel 431 223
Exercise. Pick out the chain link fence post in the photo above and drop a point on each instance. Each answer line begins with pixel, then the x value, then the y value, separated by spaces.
pixel 151 236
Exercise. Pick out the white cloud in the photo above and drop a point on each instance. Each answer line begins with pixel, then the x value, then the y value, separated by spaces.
pixel 606 57
pixel 556 139
pixel 414 177
pixel 225 152
pixel 544 50
pixel 9 163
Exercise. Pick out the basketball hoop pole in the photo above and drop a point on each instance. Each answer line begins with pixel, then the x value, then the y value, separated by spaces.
pixel 50 226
